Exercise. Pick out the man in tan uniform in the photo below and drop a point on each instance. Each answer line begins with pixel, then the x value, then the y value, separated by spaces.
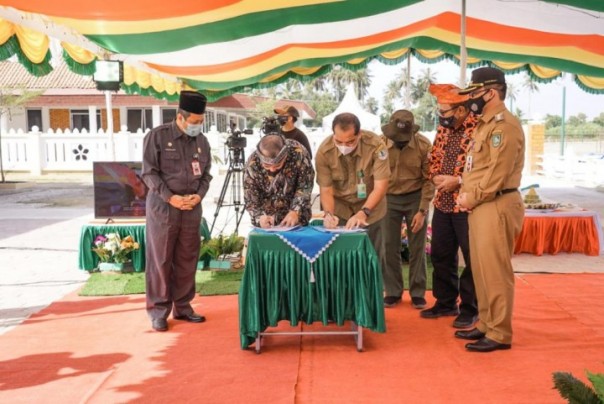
pixel 352 173
pixel 408 198
pixel 490 193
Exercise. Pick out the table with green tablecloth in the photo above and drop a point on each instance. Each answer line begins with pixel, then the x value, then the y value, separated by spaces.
pixel 88 260
pixel 278 285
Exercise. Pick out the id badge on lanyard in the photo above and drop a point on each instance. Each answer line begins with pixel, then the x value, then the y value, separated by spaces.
pixel 195 164
pixel 361 186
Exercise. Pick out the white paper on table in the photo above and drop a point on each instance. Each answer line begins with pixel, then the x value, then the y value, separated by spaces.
pixel 340 229
pixel 277 229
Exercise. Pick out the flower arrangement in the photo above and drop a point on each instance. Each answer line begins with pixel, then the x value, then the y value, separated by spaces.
pixel 221 245
pixel 112 248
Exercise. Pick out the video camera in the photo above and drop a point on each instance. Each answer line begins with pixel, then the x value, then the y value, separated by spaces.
pixel 270 125
pixel 235 141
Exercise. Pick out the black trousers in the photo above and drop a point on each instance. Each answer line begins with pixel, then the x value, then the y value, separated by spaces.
pixel 449 233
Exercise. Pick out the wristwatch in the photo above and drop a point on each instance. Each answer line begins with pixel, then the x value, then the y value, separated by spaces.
pixel 366 211
pixel 422 211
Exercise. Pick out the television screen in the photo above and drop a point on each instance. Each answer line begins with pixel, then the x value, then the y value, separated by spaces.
pixel 119 190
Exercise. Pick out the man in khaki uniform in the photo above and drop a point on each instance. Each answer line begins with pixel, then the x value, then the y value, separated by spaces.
pixel 490 193
pixel 352 173
pixel 409 194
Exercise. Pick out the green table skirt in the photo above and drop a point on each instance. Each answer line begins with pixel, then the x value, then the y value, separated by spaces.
pixel 87 258
pixel 276 285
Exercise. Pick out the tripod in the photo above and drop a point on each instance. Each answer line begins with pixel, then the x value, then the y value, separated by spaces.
pixel 234 173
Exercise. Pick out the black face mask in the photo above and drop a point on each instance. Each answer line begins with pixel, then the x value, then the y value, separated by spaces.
pixel 448 122
pixel 476 105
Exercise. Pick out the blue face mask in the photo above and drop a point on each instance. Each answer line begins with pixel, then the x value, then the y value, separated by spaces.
pixel 193 130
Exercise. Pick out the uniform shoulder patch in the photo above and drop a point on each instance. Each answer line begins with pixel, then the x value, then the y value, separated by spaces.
pixel 382 153
pixel 496 138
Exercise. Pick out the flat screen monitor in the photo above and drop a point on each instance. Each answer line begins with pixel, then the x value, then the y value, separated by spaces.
pixel 119 191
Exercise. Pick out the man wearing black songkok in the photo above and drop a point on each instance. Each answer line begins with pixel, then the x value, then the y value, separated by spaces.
pixel 176 168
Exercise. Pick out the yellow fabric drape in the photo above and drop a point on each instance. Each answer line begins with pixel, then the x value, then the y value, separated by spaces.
pixel 145 80
pixel 592 82
pixel 430 54
pixel 356 61
pixel 508 65
pixel 33 43
pixel 80 55
pixel 7 30
pixel 395 54
pixel 544 72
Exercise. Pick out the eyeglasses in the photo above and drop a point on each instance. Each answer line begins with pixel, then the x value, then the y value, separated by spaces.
pixel 443 112
pixel 479 92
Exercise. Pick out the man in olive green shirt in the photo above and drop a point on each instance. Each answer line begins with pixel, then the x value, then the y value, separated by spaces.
pixel 409 194
pixel 352 173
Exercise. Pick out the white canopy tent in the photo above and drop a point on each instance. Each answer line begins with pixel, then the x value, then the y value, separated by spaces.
pixel 350 103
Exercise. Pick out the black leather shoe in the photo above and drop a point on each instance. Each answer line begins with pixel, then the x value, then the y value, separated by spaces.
pixel 472 334
pixel 486 345
pixel 418 302
pixel 159 324
pixel 191 318
pixel 438 311
pixel 391 301
pixel 465 320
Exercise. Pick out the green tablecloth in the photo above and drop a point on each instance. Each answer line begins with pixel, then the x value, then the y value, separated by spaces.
pixel 88 260
pixel 276 285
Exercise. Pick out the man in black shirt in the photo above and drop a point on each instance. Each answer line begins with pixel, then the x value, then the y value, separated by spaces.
pixel 288 115
pixel 176 168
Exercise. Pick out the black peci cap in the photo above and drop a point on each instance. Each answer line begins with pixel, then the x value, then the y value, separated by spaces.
pixel 193 102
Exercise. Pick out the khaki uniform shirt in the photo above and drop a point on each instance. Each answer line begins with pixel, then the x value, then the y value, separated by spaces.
pixel 410 168
pixel 341 172
pixel 496 157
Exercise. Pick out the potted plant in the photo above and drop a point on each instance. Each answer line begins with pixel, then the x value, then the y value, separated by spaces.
pixel 220 251
pixel 113 251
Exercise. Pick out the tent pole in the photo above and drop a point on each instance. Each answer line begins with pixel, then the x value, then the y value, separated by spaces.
pixel 408 81
pixel 463 54
pixel 109 108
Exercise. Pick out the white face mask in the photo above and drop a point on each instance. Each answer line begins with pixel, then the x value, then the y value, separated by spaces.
pixel 346 149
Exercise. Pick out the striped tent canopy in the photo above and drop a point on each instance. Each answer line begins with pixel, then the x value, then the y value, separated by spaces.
pixel 226 46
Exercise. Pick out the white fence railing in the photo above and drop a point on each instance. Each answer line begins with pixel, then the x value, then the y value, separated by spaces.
pixel 36 152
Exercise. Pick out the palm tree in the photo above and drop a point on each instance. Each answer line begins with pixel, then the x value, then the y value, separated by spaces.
pixel 511 94
pixel 340 77
pixel 420 87
pixel 532 87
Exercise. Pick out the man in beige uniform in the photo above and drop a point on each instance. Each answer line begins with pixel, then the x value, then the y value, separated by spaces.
pixel 490 193
pixel 352 173
pixel 409 194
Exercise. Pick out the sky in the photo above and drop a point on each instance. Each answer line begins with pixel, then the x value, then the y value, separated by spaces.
pixel 548 100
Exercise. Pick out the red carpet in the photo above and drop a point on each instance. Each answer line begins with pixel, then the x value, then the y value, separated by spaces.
pixel 102 350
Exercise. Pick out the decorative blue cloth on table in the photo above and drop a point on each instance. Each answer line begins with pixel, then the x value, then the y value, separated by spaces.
pixel 307 242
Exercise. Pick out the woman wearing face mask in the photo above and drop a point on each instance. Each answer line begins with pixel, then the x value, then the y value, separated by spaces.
pixel 449 224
